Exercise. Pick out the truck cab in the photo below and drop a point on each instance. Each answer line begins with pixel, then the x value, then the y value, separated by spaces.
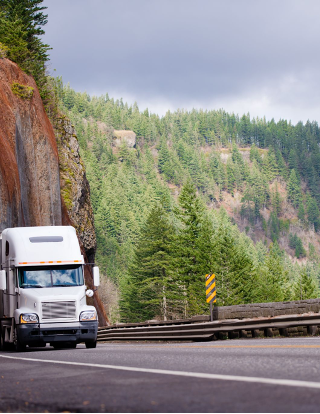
pixel 42 289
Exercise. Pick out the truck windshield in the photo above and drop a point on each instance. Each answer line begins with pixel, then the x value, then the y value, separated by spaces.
pixel 50 276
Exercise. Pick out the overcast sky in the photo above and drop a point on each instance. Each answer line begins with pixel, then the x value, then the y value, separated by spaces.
pixel 257 56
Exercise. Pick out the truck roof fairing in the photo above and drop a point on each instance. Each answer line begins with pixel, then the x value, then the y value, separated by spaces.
pixel 41 246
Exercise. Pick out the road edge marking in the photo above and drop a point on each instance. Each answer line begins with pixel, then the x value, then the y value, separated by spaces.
pixel 268 381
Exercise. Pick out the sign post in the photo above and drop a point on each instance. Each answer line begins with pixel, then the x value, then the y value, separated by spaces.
pixel 211 292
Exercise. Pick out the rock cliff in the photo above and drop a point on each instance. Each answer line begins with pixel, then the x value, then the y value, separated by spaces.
pixel 29 168
pixel 75 190
pixel 42 177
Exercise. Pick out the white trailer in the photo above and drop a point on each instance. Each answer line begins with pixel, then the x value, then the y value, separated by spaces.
pixel 42 290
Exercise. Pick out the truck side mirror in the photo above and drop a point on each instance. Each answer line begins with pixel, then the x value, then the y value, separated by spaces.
pixel 96 276
pixel 3 280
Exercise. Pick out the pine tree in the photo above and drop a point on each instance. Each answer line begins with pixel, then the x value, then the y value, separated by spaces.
pixel 293 160
pixel 270 165
pixel 272 282
pixel 313 213
pixel 193 248
pixel 276 202
pixel 301 213
pixel 305 286
pixel 151 273
pixel 21 24
pixel 234 269
pixel 294 191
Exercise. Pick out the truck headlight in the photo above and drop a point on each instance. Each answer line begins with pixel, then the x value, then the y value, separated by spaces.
pixel 89 315
pixel 29 318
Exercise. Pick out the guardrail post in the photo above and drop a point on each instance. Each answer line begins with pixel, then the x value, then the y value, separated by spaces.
pixel 312 330
pixel 255 333
pixel 233 334
pixel 283 331
pixel 243 334
pixel 268 332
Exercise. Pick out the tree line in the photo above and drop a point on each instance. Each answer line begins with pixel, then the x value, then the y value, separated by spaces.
pixel 157 247
pixel 21 28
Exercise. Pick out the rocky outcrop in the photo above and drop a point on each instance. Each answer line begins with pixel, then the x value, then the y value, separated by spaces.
pixel 29 169
pixel 42 177
pixel 124 137
pixel 75 190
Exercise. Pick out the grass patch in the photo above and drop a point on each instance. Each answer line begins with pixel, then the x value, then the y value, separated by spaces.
pixel 23 91
pixel 3 51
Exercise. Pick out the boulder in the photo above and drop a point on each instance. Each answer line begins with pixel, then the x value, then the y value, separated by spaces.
pixel 121 137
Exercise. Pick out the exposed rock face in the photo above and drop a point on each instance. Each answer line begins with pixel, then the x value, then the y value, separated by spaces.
pixel 75 188
pixel 29 169
pixel 30 191
pixel 127 137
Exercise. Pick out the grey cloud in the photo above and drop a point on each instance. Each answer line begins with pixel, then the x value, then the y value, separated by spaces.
pixel 186 50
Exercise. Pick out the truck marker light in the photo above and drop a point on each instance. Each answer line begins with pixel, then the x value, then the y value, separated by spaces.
pixel 51 262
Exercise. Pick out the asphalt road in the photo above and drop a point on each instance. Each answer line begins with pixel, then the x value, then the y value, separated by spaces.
pixel 256 375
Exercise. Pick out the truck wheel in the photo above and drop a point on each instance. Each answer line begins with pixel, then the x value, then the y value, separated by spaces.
pixel 4 346
pixel 91 344
pixel 18 346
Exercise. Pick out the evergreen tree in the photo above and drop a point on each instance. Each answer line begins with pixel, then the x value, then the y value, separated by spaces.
pixel 21 24
pixel 193 248
pixel 276 202
pixel 153 288
pixel 301 213
pixel 272 284
pixel 313 213
pixel 305 286
pixel 294 191
pixel 234 269
pixel 296 243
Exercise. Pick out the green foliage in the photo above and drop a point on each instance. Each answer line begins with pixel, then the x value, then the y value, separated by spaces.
pixel 294 191
pixel 296 243
pixel 23 91
pixel 305 287
pixel 20 28
pixel 301 213
pixel 272 282
pixel 3 51
pixel 276 202
pixel 152 291
pixel 157 247
pixel 236 276
pixel 313 213
pixel 193 248
pixel 155 251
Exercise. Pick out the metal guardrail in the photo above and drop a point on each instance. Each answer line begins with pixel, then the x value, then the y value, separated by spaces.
pixel 196 329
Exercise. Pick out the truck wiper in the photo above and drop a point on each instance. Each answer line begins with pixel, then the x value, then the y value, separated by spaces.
pixel 31 286
pixel 62 285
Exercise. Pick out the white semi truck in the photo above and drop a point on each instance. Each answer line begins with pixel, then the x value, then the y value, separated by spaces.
pixel 42 290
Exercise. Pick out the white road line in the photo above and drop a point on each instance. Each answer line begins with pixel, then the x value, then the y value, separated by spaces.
pixel 270 381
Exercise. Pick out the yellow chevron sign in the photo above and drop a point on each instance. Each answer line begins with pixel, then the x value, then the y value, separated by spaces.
pixel 211 288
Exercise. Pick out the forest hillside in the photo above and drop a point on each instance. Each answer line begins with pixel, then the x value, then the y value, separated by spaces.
pixel 193 192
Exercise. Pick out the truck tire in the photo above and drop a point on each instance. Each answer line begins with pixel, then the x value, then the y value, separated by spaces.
pixel 19 347
pixel 4 346
pixel 91 344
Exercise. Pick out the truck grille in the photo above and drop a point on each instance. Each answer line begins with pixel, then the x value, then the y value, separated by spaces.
pixel 58 310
